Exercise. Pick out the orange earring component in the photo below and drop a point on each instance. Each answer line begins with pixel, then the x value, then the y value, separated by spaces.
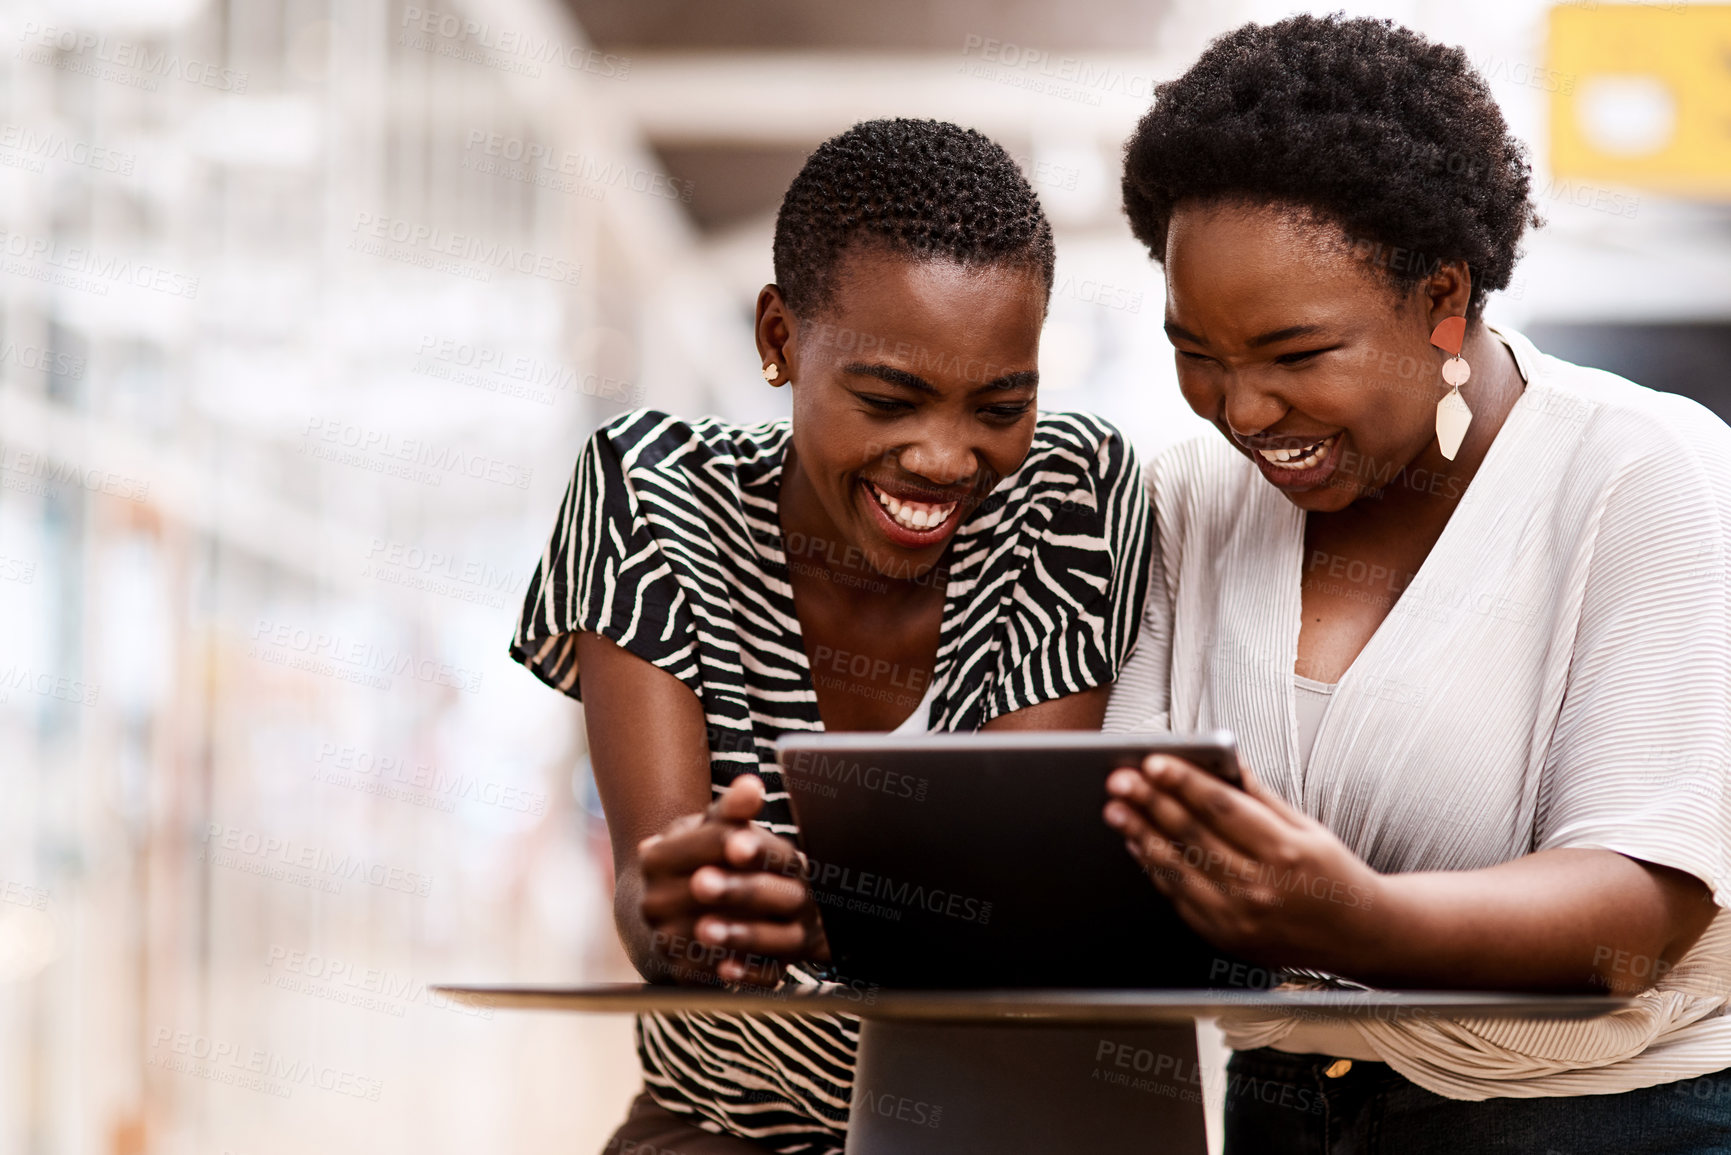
pixel 1452 415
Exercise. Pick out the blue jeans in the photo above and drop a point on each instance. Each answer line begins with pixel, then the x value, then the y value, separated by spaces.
pixel 1280 1104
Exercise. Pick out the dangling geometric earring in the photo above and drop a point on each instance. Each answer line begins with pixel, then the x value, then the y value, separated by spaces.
pixel 1452 414
pixel 770 372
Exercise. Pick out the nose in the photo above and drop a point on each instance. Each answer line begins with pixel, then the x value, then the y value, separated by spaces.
pixel 1248 408
pixel 940 457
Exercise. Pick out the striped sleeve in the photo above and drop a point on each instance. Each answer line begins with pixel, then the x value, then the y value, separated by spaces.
pixel 1639 760
pixel 1076 609
pixel 604 571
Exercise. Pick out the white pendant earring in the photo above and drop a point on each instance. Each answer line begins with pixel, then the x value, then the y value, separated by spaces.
pixel 1452 414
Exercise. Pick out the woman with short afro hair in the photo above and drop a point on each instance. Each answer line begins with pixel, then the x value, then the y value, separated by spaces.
pixel 1464 604
pixel 917 548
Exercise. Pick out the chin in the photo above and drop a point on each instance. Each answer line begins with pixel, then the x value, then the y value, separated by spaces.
pixel 1328 498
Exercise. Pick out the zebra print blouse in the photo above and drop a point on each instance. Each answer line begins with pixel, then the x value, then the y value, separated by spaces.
pixel 669 544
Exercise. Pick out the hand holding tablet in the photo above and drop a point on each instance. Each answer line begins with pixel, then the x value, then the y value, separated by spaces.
pixel 1243 868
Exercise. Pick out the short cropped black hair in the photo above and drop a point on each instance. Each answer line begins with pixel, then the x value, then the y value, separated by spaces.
pixel 920 187
pixel 1358 121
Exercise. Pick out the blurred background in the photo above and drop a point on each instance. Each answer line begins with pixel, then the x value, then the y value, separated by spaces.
pixel 305 309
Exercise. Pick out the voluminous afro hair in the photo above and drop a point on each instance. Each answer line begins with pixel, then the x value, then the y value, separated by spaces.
pixel 919 187
pixel 1360 122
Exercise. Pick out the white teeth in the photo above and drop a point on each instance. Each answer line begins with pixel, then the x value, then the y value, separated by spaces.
pixel 913 515
pixel 1307 457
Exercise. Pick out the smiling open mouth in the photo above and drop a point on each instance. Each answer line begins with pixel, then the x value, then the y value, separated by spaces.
pixel 916 516
pixel 1303 457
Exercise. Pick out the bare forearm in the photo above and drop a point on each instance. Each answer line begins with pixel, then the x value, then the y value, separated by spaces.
pixel 1561 920
pixel 651 761
pixel 1258 878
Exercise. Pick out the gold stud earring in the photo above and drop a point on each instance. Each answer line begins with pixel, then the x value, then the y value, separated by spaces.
pixel 770 372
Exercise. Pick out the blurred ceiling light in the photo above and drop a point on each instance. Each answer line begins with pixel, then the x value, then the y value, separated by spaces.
pixel 261 131
pixel 1627 115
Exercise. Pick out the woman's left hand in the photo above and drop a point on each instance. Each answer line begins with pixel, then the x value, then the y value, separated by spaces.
pixel 1246 871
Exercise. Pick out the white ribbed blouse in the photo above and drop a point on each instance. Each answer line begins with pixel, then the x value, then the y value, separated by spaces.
pixel 1558 674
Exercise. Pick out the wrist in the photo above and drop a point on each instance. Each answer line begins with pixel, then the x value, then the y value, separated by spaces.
pixel 1388 931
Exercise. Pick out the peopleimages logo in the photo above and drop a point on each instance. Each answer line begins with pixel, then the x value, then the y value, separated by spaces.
pixel 478 42
pixel 833 885
pixel 321 652
pixel 447 575
pixel 353 765
pixel 363 987
pixel 27 464
pixel 1044 71
pixel 18 894
pixel 585 170
pixel 22 678
pixel 46 259
pixel 494 370
pixel 382 451
pixel 125 61
pixel 254 1068
pixel 255 853
pixel 431 242
pixel 42 360
pixel 823 774
pixel 37 147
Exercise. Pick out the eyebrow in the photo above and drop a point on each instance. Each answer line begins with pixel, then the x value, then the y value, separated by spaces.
pixel 894 376
pixel 1181 333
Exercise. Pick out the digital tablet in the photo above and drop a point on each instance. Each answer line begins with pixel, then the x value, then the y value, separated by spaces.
pixel 982 860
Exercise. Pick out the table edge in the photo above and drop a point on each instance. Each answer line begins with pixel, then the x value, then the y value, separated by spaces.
pixel 1051 1006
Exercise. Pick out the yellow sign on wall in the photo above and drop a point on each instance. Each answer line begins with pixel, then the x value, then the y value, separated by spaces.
pixel 1645 95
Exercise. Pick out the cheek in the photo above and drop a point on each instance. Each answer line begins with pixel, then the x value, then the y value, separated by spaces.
pixel 830 433
pixel 1388 412
pixel 1200 393
pixel 1397 390
pixel 1004 455
pixel 825 447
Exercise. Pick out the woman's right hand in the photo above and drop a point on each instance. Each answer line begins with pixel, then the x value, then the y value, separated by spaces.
pixel 725 901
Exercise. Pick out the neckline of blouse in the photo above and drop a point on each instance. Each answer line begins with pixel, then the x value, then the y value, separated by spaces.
pixel 1496 461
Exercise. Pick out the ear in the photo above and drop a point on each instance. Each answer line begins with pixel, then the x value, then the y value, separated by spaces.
pixel 1447 292
pixel 776 329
